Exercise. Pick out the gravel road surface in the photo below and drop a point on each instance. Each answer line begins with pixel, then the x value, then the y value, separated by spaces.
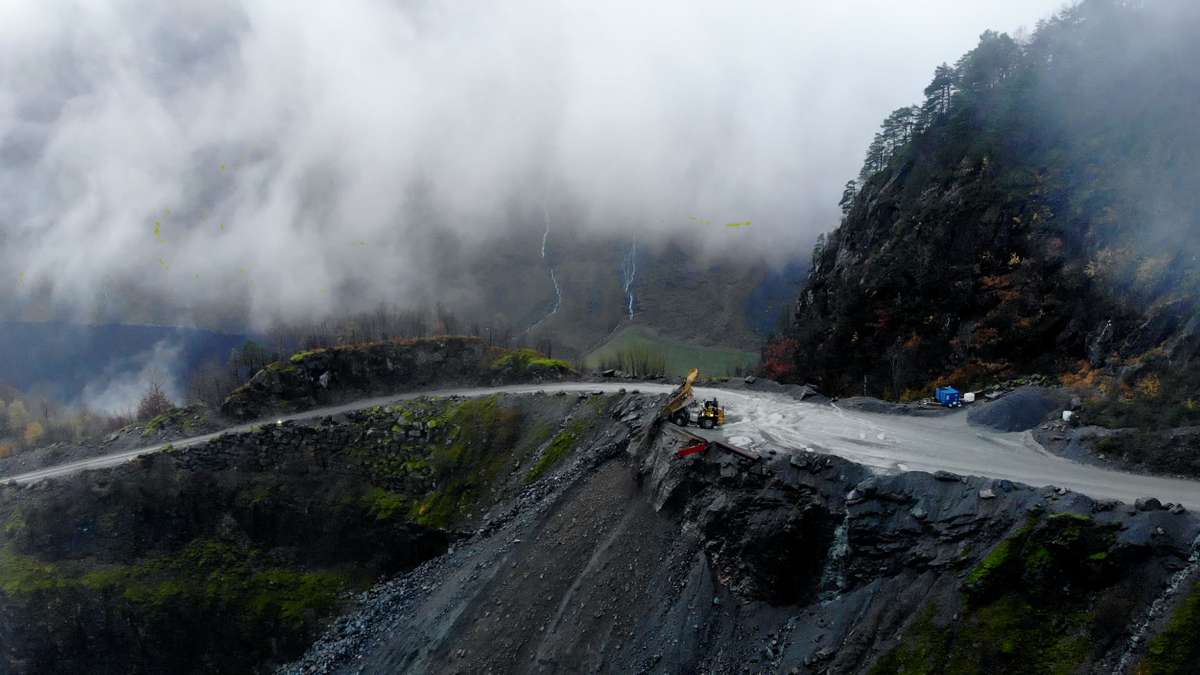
pixel 759 420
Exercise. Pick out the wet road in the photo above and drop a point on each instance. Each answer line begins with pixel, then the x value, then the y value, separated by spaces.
pixel 762 420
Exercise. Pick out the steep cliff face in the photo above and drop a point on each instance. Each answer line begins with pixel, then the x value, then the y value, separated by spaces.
pixel 642 562
pixel 1034 213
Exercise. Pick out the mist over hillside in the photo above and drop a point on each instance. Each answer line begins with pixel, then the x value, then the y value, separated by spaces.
pixel 1036 212
pixel 105 368
pixel 446 336
pixel 230 165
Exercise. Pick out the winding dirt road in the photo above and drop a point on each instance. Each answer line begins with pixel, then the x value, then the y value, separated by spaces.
pixel 765 420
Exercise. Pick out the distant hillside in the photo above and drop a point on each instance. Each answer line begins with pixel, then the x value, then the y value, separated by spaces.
pixel 59 360
pixel 1038 211
pixel 605 283
pixel 672 357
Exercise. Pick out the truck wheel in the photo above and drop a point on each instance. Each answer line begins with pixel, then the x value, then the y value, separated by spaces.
pixel 706 423
pixel 681 419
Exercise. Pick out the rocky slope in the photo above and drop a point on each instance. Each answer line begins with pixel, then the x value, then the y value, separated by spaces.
pixel 560 533
pixel 185 422
pixel 639 562
pixel 1035 213
pixel 229 556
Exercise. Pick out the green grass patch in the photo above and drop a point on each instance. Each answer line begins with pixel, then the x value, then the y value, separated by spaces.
pixel 185 419
pixel 529 360
pixel 206 574
pixel 385 504
pixel 1012 636
pixel 559 448
pixel 1027 607
pixel 23 575
pixel 924 647
pixel 1176 650
pixel 219 576
pixel 678 356
pixel 995 561
pixel 299 357
pixel 154 425
pixel 485 435
pixel 281 367
pixel 475 444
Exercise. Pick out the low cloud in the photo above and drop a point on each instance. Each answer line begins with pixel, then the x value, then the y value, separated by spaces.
pixel 124 381
pixel 275 159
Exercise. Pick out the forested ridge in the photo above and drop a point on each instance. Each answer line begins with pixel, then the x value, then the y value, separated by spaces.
pixel 1037 211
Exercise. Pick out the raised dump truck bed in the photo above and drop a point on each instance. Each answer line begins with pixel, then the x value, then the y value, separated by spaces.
pixel 677 409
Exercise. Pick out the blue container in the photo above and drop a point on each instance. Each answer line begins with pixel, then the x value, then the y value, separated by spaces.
pixel 949 397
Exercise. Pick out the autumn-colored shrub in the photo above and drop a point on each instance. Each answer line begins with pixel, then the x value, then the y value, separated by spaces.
pixel 34 431
pixel 779 358
pixel 1149 386
pixel 1084 377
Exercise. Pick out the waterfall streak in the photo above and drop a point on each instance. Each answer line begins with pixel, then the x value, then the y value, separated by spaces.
pixel 550 269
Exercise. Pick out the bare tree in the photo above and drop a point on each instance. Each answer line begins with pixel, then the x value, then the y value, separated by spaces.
pixel 211 383
pixel 155 401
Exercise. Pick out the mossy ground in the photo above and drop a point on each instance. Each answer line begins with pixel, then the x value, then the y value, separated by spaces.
pixel 469 449
pixel 185 420
pixel 529 361
pixel 1025 607
pixel 209 590
pixel 239 582
pixel 560 446
pixel 1176 650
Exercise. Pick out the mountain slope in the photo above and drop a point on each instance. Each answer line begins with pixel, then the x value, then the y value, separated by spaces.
pixel 638 562
pixel 603 282
pixel 1036 210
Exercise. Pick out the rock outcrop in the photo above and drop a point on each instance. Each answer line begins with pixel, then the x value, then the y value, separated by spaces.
pixel 995 230
pixel 325 376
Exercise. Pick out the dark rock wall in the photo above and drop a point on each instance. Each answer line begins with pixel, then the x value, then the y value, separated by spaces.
pixel 325 376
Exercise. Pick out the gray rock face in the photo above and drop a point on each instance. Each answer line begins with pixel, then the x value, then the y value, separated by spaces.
pixel 1022 410
pixel 1148 504
pixel 329 376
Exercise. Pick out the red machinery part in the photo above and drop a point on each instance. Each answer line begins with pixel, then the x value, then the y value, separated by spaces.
pixel 691 450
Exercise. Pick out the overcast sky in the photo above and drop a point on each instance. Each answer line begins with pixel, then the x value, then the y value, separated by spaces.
pixel 204 150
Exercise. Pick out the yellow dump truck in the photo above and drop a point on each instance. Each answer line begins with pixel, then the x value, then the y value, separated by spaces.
pixel 682 408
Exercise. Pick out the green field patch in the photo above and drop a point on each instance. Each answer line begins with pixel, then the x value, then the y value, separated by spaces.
pixel 678 357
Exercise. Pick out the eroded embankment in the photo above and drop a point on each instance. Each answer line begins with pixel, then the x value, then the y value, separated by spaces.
pixel 808 563
pixel 231 555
